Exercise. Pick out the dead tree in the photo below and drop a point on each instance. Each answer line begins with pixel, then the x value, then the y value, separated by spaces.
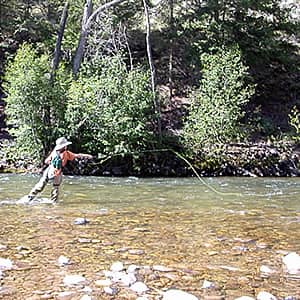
pixel 88 17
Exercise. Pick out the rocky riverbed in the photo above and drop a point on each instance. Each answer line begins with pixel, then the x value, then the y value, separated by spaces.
pixel 144 255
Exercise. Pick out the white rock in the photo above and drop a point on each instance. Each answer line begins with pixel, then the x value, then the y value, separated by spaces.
pixel 63 261
pixel 103 282
pixel 5 264
pixel 244 298
pixel 87 289
pixel 207 284
pixel 81 221
pixel 162 268
pixel 142 298
pixel 128 279
pixel 265 296
pixel 73 279
pixel 63 295
pixel 266 270
pixel 117 266
pixel 292 263
pixel 139 287
pixel 86 297
pixel 132 268
pixel 110 291
pixel 174 294
pixel 108 274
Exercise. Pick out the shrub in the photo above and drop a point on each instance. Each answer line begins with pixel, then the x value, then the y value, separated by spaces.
pixel 35 105
pixel 294 120
pixel 110 109
pixel 217 106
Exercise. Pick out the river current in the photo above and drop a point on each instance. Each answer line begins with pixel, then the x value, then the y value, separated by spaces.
pixel 233 232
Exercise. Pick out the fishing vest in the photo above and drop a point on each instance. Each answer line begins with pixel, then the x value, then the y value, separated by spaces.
pixel 56 162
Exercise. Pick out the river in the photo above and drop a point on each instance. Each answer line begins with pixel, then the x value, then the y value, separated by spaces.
pixel 232 232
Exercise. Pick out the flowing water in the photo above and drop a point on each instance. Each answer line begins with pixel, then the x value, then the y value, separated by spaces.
pixel 196 233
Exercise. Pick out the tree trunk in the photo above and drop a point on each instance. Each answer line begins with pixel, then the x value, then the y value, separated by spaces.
pixel 85 26
pixel 60 34
pixel 83 37
pixel 152 69
pixel 171 28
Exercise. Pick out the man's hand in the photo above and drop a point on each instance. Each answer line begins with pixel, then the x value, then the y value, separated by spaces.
pixel 88 156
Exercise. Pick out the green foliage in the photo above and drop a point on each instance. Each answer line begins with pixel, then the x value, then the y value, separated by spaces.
pixel 294 117
pixel 35 105
pixel 259 28
pixel 216 107
pixel 109 108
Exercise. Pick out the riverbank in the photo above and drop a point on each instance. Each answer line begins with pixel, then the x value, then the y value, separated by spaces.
pixel 243 159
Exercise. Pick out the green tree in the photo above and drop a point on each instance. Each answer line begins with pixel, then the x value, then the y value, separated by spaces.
pixel 110 109
pixel 217 106
pixel 30 95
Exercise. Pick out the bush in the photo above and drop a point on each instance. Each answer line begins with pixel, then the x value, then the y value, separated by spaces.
pixel 294 121
pixel 35 105
pixel 110 109
pixel 217 106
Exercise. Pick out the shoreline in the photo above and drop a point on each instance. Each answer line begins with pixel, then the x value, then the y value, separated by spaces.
pixel 240 159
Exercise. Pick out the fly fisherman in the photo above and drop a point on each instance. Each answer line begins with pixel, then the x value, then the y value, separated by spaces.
pixel 56 161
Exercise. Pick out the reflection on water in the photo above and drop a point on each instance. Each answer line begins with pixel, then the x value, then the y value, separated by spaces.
pixel 177 222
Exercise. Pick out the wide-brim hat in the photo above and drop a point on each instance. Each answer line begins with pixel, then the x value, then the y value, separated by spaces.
pixel 61 143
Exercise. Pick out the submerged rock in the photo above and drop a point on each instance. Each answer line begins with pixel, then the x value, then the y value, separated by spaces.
pixel 266 270
pixel 5 264
pixel 80 221
pixel 174 294
pixel 139 287
pixel 110 291
pixel 265 296
pixel 63 261
pixel 208 284
pixel 292 263
pixel 117 266
pixel 73 280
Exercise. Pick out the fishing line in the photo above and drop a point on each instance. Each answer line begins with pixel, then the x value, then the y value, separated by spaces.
pixel 179 156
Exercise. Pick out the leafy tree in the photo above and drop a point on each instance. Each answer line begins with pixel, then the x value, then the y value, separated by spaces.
pixel 217 106
pixel 109 108
pixel 30 96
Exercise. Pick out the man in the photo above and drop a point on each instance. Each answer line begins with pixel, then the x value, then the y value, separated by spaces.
pixel 56 161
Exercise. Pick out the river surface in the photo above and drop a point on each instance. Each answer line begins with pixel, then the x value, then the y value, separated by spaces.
pixel 223 230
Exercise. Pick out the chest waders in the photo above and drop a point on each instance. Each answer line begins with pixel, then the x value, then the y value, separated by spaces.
pixel 49 174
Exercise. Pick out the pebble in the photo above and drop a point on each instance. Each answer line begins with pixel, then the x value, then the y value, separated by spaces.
pixel 292 263
pixel 103 282
pixel 63 261
pixel 80 221
pixel 162 268
pixel 207 284
pixel 139 287
pixel 73 279
pixel 265 296
pixel 244 298
pixel 110 291
pixel 175 294
pixel 132 268
pixel 65 295
pixel 86 297
pixel 5 264
pixel 3 247
pixel 266 270
pixel 117 266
